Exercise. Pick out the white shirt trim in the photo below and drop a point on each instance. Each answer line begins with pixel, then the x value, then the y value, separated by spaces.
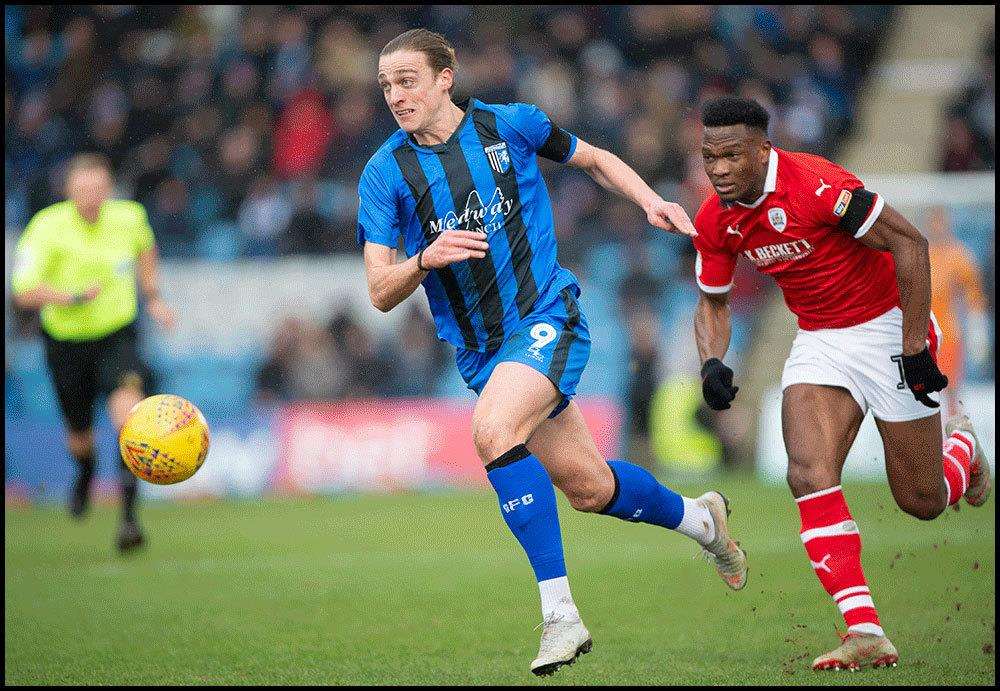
pixel 770 182
pixel 872 217
pixel 714 290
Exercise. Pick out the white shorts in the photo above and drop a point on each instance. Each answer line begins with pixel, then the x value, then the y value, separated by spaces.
pixel 865 360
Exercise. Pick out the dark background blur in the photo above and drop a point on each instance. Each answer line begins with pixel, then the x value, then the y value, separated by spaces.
pixel 243 131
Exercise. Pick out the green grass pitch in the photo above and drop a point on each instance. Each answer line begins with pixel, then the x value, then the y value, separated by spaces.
pixel 432 589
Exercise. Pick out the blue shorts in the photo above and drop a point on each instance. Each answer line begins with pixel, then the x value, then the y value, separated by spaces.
pixel 554 339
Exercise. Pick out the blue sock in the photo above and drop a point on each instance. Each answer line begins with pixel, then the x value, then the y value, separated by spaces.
pixel 528 505
pixel 640 498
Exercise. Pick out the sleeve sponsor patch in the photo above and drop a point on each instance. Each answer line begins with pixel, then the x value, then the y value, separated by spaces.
pixel 843 201
pixel 860 203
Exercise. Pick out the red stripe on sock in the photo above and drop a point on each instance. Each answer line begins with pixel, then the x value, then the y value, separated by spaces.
pixel 956 462
pixel 861 615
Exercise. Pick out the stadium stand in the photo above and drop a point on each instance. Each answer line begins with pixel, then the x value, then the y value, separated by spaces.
pixel 243 131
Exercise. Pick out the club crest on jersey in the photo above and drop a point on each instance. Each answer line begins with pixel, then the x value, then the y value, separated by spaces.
pixel 777 218
pixel 499 157
pixel 842 202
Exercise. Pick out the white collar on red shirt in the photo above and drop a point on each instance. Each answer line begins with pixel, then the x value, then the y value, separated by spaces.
pixel 770 182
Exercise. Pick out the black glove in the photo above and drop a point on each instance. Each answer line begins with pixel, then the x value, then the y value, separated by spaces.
pixel 923 376
pixel 717 384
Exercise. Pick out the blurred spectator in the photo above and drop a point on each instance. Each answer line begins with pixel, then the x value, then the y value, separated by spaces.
pixel 168 214
pixel 273 377
pixel 958 304
pixel 263 216
pixel 640 288
pixel 367 371
pixel 303 364
pixel 970 138
pixel 643 377
pixel 221 98
pixel 419 359
pixel 308 232
pixel 302 135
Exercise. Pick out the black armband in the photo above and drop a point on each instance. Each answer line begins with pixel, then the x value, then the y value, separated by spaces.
pixel 858 208
pixel 556 147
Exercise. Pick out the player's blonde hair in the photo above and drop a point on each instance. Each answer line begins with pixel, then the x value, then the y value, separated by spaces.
pixel 436 47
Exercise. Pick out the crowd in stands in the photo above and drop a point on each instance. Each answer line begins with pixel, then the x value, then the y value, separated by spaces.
pixel 970 136
pixel 244 129
pixel 342 360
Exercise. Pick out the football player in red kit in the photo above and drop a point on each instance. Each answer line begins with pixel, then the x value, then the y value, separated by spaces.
pixel 857 276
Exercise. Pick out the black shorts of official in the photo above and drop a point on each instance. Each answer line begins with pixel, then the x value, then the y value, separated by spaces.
pixel 84 370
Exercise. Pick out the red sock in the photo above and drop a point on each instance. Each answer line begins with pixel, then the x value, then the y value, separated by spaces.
pixel 833 543
pixel 959 449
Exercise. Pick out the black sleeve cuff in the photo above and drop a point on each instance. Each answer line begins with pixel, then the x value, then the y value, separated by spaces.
pixel 556 147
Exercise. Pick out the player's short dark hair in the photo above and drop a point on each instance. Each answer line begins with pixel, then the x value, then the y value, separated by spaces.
pixel 731 110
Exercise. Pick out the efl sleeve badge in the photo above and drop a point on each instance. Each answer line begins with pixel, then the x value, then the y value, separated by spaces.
pixel 840 208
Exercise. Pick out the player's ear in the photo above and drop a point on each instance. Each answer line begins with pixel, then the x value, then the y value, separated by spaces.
pixel 446 78
pixel 765 149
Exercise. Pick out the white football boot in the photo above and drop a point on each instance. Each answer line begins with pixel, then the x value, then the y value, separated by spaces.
pixel 723 552
pixel 857 650
pixel 564 638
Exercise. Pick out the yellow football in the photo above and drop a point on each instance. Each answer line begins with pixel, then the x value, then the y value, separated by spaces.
pixel 164 439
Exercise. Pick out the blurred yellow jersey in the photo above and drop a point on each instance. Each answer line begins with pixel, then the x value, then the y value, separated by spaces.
pixel 954 277
pixel 60 249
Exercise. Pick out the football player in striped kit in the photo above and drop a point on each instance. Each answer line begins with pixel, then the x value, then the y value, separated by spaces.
pixel 459 186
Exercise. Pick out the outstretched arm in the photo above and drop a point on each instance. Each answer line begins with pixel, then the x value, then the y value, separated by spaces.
pixel 614 175
pixel 893 233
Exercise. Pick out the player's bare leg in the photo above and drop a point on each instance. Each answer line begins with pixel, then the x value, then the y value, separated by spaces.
pixel 567 449
pixel 925 481
pixel 820 424
pixel 913 465
pixel 81 446
pixel 565 446
pixel 120 402
pixel 515 400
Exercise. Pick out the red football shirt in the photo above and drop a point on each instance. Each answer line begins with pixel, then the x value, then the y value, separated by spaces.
pixel 829 279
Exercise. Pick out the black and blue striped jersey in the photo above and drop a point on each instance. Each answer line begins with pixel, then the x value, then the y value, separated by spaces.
pixel 485 178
